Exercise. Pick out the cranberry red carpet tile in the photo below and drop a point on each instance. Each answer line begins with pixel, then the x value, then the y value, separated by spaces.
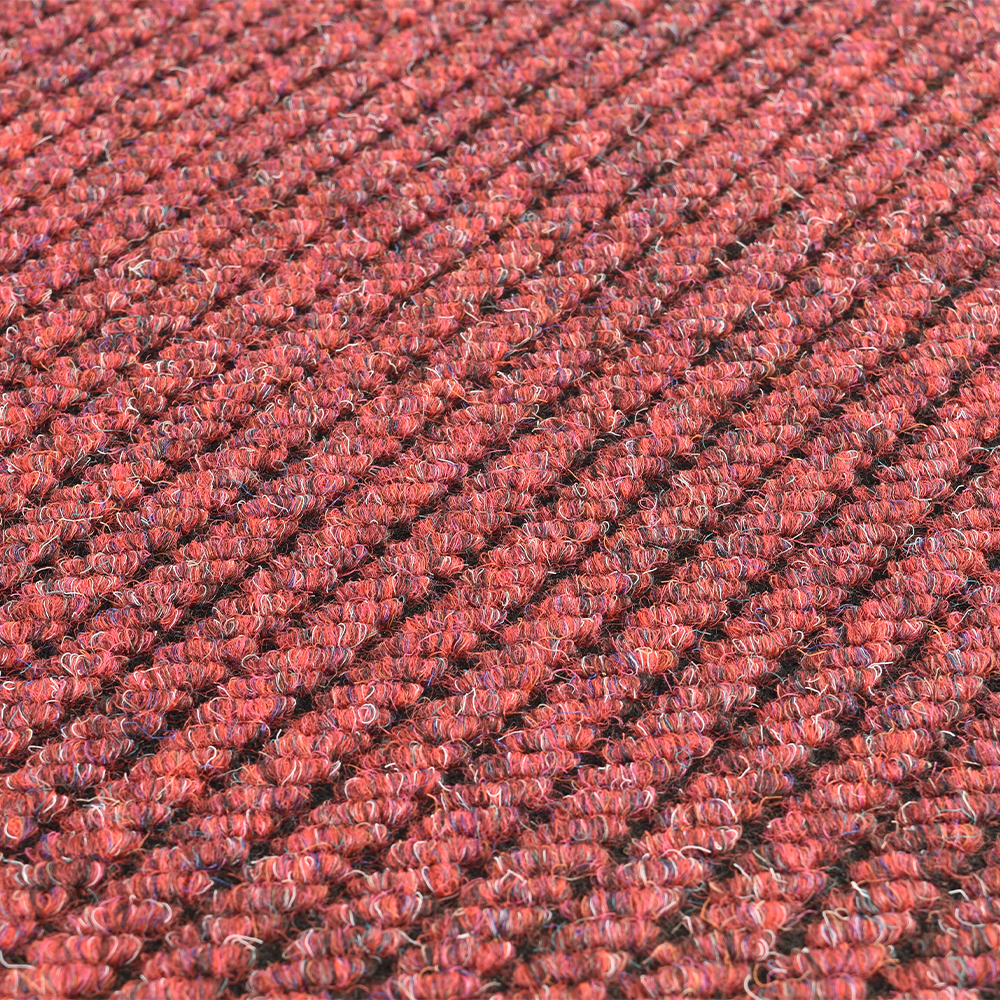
pixel 500 499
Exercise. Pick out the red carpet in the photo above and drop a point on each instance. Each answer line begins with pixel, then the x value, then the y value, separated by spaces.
pixel 500 499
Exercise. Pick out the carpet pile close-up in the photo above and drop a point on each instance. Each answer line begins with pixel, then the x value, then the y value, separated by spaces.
pixel 500 499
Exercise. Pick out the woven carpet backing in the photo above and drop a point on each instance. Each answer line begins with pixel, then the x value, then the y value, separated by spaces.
pixel 500 499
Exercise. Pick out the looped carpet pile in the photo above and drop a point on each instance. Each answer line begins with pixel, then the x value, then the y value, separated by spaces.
pixel 500 499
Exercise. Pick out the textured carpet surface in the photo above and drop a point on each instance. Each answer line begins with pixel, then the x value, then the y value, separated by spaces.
pixel 500 499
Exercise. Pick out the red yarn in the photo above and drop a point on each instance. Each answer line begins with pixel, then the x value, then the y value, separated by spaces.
pixel 500 499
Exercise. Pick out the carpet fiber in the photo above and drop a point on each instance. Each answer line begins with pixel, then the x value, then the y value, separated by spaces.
pixel 500 499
